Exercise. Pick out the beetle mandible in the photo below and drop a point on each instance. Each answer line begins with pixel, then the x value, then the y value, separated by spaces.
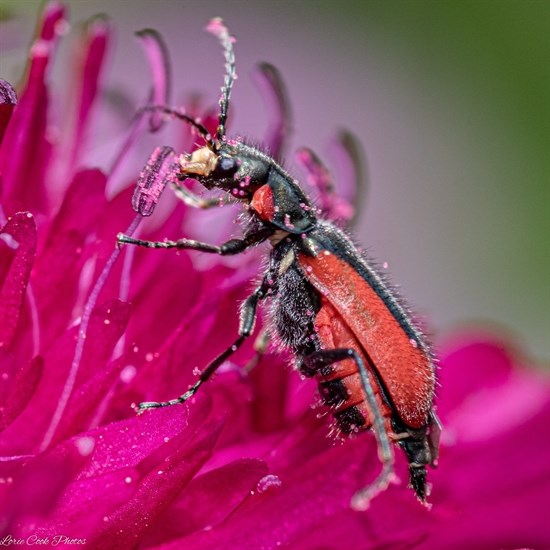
pixel 341 319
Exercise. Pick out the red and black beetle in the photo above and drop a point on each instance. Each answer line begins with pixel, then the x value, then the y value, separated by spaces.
pixel 329 305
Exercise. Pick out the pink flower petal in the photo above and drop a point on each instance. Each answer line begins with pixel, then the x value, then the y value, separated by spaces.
pixel 352 183
pixel 162 305
pixel 37 485
pixel 28 430
pixel 367 531
pixel 175 441
pixel 26 151
pixel 173 477
pixel 159 62
pixel 271 84
pixel 53 21
pixel 17 394
pixel 269 381
pixel 318 177
pixel 472 363
pixel 196 510
pixel 333 204
pixel 91 61
pixel 18 249
pixel 57 290
pixel 125 527
pixel 277 513
pixel 88 400
pixel 164 370
pixel 92 342
pixel 157 456
pixel 83 203
pixel 498 476
pixel 107 324
pixel 116 216
pixel 8 100
pixel 67 247
pixel 137 437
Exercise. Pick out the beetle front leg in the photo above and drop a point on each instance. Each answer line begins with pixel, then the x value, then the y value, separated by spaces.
pixel 246 327
pixel 323 358
pixel 231 247
pixel 234 246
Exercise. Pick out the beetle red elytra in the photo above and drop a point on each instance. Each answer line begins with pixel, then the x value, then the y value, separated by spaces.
pixel 341 319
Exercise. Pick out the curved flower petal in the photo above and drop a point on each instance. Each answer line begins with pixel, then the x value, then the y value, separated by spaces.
pixel 270 80
pixel 23 181
pixel 155 457
pixel 157 55
pixel 16 395
pixel 17 250
pixel 196 510
pixel 8 100
pixel 29 428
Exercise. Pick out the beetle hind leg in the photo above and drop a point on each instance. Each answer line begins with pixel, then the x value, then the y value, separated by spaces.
pixel 203 377
pixel 323 358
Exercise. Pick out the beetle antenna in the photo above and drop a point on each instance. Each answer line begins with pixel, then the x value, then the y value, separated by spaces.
pixel 201 128
pixel 218 29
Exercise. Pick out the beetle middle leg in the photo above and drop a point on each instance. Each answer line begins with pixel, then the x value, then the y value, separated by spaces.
pixel 195 201
pixel 261 345
pixel 246 327
pixel 323 358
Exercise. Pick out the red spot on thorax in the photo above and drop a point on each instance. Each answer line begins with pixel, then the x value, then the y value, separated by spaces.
pixel 263 203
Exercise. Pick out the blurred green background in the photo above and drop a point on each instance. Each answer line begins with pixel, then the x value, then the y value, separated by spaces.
pixel 450 99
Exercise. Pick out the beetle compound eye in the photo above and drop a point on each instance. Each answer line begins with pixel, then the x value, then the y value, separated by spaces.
pixel 227 164
pixel 225 167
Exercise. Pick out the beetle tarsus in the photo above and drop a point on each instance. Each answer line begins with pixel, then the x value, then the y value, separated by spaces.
pixel 316 361
pixel 178 401
pixel 361 499
pixel 121 238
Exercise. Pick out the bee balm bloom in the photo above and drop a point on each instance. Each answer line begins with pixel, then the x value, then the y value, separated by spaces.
pixel 86 332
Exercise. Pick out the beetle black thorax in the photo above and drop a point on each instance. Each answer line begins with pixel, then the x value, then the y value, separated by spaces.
pixel 295 302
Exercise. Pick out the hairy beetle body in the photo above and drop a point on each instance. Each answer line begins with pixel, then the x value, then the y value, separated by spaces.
pixel 329 305
pixel 326 296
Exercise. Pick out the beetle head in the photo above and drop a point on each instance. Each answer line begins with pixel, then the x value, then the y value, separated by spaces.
pixel 233 168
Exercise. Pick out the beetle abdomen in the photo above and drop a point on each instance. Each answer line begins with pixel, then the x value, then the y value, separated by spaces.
pixel 340 384
pixel 396 353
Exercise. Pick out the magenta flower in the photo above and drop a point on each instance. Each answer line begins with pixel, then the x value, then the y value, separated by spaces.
pixel 85 333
